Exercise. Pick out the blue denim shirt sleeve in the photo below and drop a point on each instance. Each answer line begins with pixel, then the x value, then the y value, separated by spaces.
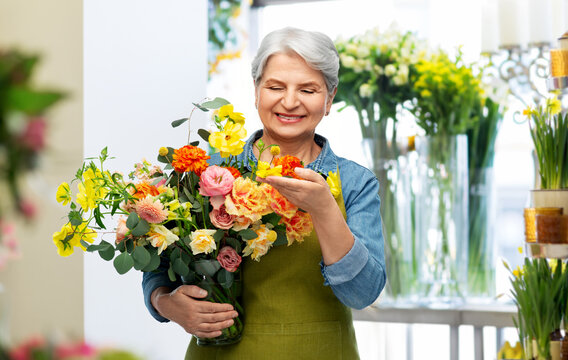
pixel 153 280
pixel 359 277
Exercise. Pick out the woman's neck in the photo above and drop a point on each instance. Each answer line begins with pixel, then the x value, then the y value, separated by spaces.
pixel 304 148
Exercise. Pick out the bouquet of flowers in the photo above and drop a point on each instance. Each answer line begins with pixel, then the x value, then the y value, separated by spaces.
pixel 193 219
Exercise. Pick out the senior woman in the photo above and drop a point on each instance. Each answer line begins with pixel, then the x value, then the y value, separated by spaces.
pixel 297 299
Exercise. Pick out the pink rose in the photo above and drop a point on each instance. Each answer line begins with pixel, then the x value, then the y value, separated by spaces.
pixel 229 259
pixel 121 230
pixel 221 219
pixel 216 180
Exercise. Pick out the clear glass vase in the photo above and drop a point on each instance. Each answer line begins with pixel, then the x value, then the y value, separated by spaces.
pixel 441 210
pixel 222 287
pixel 393 172
pixel 481 246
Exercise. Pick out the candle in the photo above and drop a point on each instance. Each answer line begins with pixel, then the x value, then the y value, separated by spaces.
pixel 512 22
pixel 559 22
pixel 540 21
pixel 489 27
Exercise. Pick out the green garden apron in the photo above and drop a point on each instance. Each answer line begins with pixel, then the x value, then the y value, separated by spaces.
pixel 289 313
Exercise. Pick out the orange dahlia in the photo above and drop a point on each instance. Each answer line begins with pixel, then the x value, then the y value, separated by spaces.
pixel 288 163
pixel 190 158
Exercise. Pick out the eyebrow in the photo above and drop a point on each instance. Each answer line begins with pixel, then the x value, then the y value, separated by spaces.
pixel 307 83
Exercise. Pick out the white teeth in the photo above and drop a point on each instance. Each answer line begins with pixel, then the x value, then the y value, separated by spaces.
pixel 289 117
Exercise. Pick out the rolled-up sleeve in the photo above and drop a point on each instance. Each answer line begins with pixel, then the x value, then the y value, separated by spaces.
pixel 150 282
pixel 358 278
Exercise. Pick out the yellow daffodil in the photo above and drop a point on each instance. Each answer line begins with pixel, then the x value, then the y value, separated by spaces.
pixel 528 111
pixel 518 272
pixel 553 105
pixel 334 183
pixel 227 111
pixel 63 194
pixel 161 237
pixel 229 141
pixel 202 241
pixel 264 170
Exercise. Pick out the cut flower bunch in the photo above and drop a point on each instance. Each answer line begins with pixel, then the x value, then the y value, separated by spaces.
pixel 192 219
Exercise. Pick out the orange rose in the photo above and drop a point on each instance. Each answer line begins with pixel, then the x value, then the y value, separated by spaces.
pixel 247 199
pixel 278 203
pixel 190 158
pixel 298 226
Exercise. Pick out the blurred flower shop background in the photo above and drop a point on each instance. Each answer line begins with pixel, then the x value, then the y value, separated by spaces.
pixel 431 98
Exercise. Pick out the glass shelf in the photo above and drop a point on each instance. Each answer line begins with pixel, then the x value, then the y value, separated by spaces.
pixel 550 251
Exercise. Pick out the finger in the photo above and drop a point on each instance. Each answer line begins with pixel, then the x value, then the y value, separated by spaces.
pixel 308 174
pixel 218 317
pixel 211 308
pixel 193 291
pixel 205 334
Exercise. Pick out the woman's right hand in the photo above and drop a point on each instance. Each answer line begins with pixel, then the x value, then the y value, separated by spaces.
pixel 198 317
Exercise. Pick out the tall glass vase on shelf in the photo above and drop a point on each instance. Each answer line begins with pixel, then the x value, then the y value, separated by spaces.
pixel 442 217
pixel 391 168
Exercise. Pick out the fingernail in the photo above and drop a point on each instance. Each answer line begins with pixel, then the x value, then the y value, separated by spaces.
pixel 235 314
pixel 202 292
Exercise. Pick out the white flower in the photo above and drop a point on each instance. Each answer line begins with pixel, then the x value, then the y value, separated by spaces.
pixel 390 70
pixel 365 91
pixel 160 237
pixel 363 52
pixel 347 61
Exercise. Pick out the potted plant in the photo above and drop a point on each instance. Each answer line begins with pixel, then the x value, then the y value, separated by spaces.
pixel 549 132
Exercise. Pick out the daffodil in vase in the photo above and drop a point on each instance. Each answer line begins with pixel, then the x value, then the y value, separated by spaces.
pixel 375 74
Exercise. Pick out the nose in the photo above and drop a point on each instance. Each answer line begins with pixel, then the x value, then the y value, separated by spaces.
pixel 290 99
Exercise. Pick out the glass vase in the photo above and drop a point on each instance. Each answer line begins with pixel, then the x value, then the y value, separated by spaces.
pixel 221 287
pixel 481 244
pixel 393 173
pixel 441 211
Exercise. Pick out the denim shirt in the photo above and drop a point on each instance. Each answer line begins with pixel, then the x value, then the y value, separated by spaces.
pixel 358 278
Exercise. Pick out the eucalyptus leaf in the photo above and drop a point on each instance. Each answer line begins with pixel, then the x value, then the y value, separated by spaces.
pixel 123 263
pixel 179 122
pixel 225 278
pixel 234 243
pixel 141 228
pixel 154 262
pixel 180 267
pixel 107 254
pixel 207 267
pixel 172 274
pixel 280 239
pixel 248 234
pixel 141 257
pixel 215 103
pixel 132 220
pixel 204 134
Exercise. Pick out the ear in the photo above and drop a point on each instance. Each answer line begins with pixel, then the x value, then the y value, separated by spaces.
pixel 255 94
pixel 329 101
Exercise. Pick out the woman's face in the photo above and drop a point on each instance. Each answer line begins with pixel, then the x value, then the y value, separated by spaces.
pixel 291 97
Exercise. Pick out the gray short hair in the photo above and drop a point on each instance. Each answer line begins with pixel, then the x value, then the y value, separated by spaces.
pixel 316 48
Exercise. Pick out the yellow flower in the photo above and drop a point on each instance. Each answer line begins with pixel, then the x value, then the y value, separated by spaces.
pixel 275 150
pixel 260 245
pixel 227 111
pixel 518 272
pixel 425 93
pixel 264 170
pixel 528 111
pixel 553 106
pixel 70 237
pixel 520 249
pixel 163 151
pixel 63 194
pixel 161 237
pixel 86 196
pixel 334 183
pixel 202 241
pixel 229 141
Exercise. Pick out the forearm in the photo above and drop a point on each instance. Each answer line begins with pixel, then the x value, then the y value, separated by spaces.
pixel 334 235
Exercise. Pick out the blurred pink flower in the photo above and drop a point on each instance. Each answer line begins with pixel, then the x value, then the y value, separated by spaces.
pixel 27 208
pixel 33 136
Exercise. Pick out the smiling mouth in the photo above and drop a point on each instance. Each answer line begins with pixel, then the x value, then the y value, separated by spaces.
pixel 290 118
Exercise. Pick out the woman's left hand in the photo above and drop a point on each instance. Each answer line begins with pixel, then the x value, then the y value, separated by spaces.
pixel 311 194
